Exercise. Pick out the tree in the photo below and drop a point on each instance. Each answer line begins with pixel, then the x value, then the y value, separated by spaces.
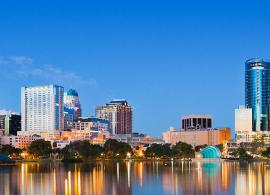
pixel 10 150
pixel 81 149
pixel 257 146
pixel 159 150
pixel 116 149
pixel 241 153
pixel 220 147
pixel 183 150
pixel 266 153
pixel 96 150
pixel 40 148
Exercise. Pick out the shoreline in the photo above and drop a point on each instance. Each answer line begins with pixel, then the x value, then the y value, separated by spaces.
pixel 72 161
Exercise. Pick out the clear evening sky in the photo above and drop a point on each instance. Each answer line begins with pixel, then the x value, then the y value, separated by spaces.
pixel 168 59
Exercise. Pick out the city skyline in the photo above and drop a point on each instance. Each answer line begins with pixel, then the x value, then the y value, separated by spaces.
pixel 167 60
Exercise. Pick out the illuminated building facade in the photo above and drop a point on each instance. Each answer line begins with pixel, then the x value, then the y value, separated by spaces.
pixel 197 137
pixel 119 114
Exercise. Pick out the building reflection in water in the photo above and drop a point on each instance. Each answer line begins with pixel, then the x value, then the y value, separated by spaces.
pixel 164 177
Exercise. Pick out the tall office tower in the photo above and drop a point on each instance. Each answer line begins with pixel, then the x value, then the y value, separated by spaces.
pixel 257 91
pixel 72 108
pixel 72 101
pixel 42 108
pixel 119 114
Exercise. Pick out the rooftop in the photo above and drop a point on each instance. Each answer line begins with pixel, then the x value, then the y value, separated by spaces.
pixel 118 102
pixel 72 92
pixel 197 116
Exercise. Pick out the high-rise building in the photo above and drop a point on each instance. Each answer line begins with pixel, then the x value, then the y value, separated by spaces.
pixel 42 108
pixel 243 119
pixel 119 114
pixel 10 123
pixel 72 101
pixel 257 92
pixel 196 122
pixel 72 108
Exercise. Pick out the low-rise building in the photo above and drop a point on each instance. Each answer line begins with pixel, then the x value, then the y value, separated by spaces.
pixel 248 137
pixel 91 124
pixel 137 139
pixel 197 137
pixel 18 141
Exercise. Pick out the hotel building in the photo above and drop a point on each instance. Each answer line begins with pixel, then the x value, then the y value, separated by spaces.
pixel 119 114
pixel 42 108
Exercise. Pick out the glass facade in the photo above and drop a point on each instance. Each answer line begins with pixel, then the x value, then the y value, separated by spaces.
pixel 258 92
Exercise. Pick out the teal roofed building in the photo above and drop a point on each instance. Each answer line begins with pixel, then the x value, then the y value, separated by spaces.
pixel 4 158
pixel 210 152
pixel 72 92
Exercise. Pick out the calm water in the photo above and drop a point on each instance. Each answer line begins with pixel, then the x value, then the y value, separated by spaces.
pixel 122 178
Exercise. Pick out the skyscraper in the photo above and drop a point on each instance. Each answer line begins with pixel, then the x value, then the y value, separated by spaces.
pixel 119 114
pixel 72 107
pixel 257 91
pixel 10 122
pixel 72 101
pixel 42 108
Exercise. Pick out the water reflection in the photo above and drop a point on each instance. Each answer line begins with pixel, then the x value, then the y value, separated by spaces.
pixel 136 178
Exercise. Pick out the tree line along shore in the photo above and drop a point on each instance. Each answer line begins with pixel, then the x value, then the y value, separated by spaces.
pixel 82 151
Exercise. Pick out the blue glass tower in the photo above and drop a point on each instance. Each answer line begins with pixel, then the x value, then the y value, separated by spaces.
pixel 257 78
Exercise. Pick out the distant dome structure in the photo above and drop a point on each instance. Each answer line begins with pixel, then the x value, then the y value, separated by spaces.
pixel 4 158
pixel 211 152
pixel 72 92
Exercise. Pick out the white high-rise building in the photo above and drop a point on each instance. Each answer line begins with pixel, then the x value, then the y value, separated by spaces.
pixel 42 108
pixel 243 119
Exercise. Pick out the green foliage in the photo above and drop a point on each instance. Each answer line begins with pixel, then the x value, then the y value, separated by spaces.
pixel 40 148
pixel 10 150
pixel 96 150
pixel 241 153
pixel 220 147
pixel 81 149
pixel 159 150
pixel 114 148
pixel 183 150
pixel 257 145
pixel 266 153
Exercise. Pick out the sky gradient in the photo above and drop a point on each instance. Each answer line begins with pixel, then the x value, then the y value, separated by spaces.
pixel 167 58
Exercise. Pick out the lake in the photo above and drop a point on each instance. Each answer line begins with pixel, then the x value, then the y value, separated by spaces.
pixel 150 177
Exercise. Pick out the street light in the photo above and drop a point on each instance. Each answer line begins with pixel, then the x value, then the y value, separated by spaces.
pixel 128 154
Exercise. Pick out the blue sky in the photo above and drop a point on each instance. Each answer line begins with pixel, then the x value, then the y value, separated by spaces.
pixel 167 58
